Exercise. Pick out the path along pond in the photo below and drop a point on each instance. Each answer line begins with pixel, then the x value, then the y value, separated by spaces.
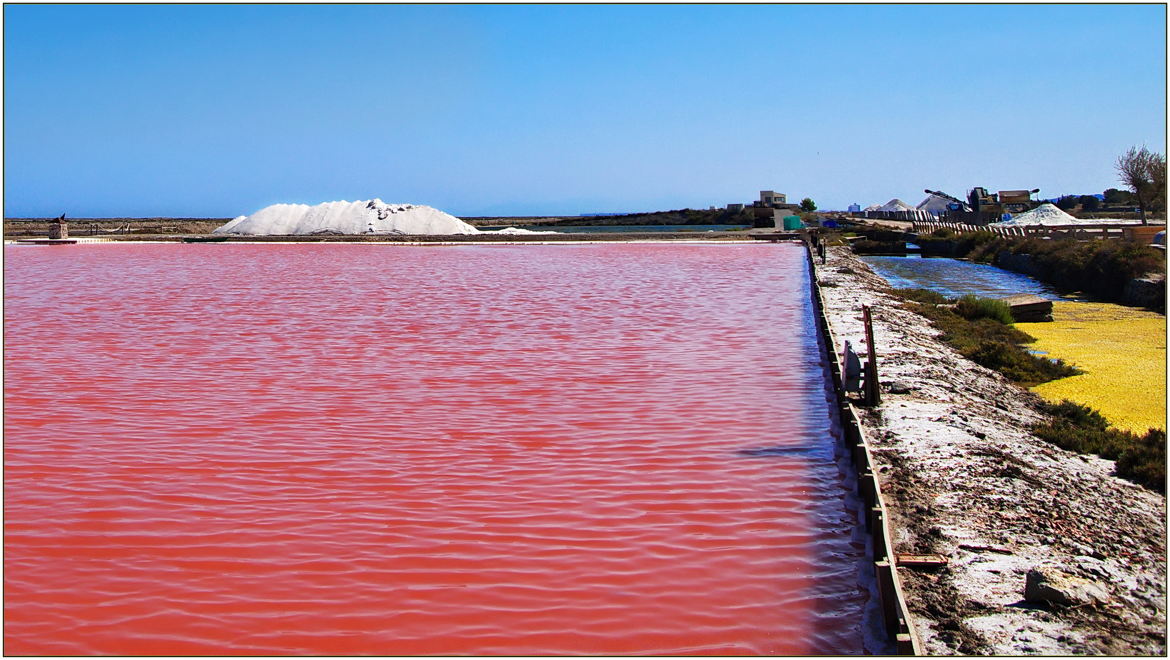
pixel 375 449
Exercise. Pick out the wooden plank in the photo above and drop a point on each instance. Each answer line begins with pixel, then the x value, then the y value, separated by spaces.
pixel 932 561
pixel 905 644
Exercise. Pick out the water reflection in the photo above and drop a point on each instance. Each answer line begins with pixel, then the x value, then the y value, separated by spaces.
pixel 953 278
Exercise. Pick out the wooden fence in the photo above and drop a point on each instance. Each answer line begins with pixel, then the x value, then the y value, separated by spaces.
pixel 1080 232
pixel 912 215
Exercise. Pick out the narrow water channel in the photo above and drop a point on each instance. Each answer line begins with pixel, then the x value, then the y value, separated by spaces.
pixel 954 277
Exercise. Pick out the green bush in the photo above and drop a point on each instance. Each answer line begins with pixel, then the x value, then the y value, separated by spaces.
pixel 1140 458
pixel 866 246
pixel 973 308
pixel 1100 268
pixel 987 341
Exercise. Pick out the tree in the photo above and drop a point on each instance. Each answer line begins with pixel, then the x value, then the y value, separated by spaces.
pixel 1089 202
pixel 1144 172
pixel 1158 178
pixel 807 205
pixel 1067 202
pixel 1115 196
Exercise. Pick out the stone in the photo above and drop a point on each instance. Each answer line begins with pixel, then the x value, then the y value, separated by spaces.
pixel 1148 291
pixel 1049 585
pixel 1027 308
pixel 898 387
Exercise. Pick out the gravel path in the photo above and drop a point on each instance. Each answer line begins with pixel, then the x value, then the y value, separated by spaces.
pixel 964 478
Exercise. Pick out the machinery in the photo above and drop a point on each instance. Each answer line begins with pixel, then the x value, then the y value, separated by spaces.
pixel 955 204
pixel 1017 201
pixel 988 207
pixel 985 204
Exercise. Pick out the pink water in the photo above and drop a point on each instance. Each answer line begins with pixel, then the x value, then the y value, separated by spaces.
pixel 390 450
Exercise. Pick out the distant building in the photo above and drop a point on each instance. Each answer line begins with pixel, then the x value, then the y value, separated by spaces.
pixel 772 199
pixel 769 209
pixel 855 208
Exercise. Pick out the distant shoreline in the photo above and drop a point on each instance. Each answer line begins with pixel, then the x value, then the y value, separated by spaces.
pixel 447 239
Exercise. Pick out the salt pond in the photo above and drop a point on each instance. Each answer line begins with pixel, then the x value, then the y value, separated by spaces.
pixel 322 449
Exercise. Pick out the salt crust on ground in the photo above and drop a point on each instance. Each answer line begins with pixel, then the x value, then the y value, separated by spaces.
pixel 362 217
pixel 963 477
pixel 518 231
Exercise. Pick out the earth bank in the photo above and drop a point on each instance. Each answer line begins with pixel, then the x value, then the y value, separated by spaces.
pixel 964 478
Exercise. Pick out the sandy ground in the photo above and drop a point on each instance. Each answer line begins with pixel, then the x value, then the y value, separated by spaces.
pixel 964 478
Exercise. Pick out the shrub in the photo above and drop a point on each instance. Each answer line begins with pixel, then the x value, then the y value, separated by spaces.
pixel 973 308
pixel 1100 268
pixel 1140 458
pixel 866 246
pixel 987 341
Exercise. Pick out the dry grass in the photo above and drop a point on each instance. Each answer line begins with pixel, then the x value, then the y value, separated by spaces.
pixel 1122 351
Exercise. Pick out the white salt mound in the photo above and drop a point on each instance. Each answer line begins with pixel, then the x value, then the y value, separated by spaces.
pixel 895 205
pixel 1045 214
pixel 365 217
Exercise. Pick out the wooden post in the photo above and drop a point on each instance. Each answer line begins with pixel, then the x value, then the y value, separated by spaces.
pixel 873 395
pixel 876 521
pixel 888 597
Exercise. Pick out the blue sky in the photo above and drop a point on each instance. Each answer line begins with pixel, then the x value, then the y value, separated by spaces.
pixel 219 110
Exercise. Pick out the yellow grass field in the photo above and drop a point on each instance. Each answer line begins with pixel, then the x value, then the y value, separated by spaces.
pixel 1122 351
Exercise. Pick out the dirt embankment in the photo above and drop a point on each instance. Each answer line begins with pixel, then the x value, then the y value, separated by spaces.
pixel 964 478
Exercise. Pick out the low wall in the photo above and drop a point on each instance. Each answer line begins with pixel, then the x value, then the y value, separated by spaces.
pixel 895 613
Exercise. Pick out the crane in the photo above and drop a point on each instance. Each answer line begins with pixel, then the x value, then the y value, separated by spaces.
pixel 939 193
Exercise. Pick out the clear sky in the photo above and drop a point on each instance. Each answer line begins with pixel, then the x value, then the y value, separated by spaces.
pixel 219 110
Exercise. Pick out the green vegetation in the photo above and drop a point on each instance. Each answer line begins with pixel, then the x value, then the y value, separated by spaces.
pixel 974 308
pixel 1119 197
pixel 807 205
pixel 1140 458
pixel 1100 268
pixel 673 217
pixel 879 241
pixel 980 330
pixel 947 243
pixel 1144 172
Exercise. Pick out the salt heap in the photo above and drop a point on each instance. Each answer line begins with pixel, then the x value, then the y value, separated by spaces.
pixel 1046 214
pixel 895 204
pixel 365 217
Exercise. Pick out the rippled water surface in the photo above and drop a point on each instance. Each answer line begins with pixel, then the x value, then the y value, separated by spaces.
pixel 954 278
pixel 373 449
